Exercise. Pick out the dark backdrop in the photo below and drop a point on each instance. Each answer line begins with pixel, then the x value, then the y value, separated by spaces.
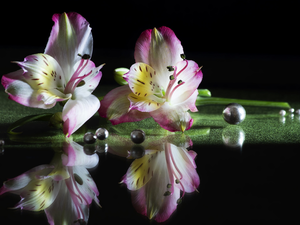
pixel 223 36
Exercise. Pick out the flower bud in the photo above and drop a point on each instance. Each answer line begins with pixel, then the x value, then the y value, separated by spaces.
pixel 118 75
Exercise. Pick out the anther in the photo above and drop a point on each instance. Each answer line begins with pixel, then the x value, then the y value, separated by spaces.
pixel 179 201
pixel 180 81
pixel 85 56
pixel 81 83
pixel 172 77
pixel 182 56
pixel 170 68
pixel 167 193
pixel 169 185
pixel 177 181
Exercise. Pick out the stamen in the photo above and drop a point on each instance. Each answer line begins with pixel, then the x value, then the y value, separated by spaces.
pixel 167 193
pixel 182 56
pixel 169 166
pixel 72 84
pixel 172 77
pixel 85 56
pixel 178 85
pixel 180 81
pixel 187 63
pixel 170 68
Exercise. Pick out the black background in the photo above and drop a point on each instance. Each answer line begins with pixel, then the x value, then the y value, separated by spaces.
pixel 232 26
pixel 250 44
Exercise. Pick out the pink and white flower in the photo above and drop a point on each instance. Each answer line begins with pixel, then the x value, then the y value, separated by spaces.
pixel 64 188
pixel 64 72
pixel 157 179
pixel 161 84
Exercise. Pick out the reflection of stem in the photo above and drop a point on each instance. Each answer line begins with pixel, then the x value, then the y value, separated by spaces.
pixel 224 101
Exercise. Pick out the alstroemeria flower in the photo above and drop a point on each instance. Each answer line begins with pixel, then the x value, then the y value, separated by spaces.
pixel 161 84
pixel 157 179
pixel 64 188
pixel 63 72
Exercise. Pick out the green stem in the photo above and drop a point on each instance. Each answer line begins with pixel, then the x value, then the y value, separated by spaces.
pixel 224 101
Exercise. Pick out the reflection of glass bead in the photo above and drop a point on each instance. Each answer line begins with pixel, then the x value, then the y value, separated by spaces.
pixel 89 138
pixel 233 137
pixel 298 111
pixel 282 112
pixel 2 142
pixel 234 113
pixel 102 148
pixel 137 151
pixel 138 136
pixel 89 149
pixel 101 133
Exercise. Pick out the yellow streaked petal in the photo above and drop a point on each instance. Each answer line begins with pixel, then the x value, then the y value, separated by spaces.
pixel 42 72
pixel 142 80
pixel 145 104
pixel 52 96
pixel 141 170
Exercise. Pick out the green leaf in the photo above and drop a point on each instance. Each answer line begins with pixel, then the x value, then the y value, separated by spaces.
pixel 27 119
pixel 225 101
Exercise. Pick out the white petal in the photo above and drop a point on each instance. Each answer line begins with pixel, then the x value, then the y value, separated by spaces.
pixel 77 112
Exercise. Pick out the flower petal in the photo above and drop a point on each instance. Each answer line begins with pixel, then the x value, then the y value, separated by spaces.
pixel 144 104
pixel 159 48
pixel 65 209
pixel 71 35
pixel 42 71
pixel 115 106
pixel 141 170
pixel 77 112
pixel 172 118
pixel 85 81
pixel 143 81
pixel 191 75
pixel 185 163
pixel 37 84
pixel 75 156
pixel 16 184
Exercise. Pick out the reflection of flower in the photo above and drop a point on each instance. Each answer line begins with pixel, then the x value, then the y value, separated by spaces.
pixel 160 84
pixel 157 178
pixel 60 74
pixel 64 188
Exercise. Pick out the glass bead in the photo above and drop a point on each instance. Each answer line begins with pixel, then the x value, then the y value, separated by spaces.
pixel 89 138
pixel 282 112
pixel 138 136
pixel 234 113
pixel 101 133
